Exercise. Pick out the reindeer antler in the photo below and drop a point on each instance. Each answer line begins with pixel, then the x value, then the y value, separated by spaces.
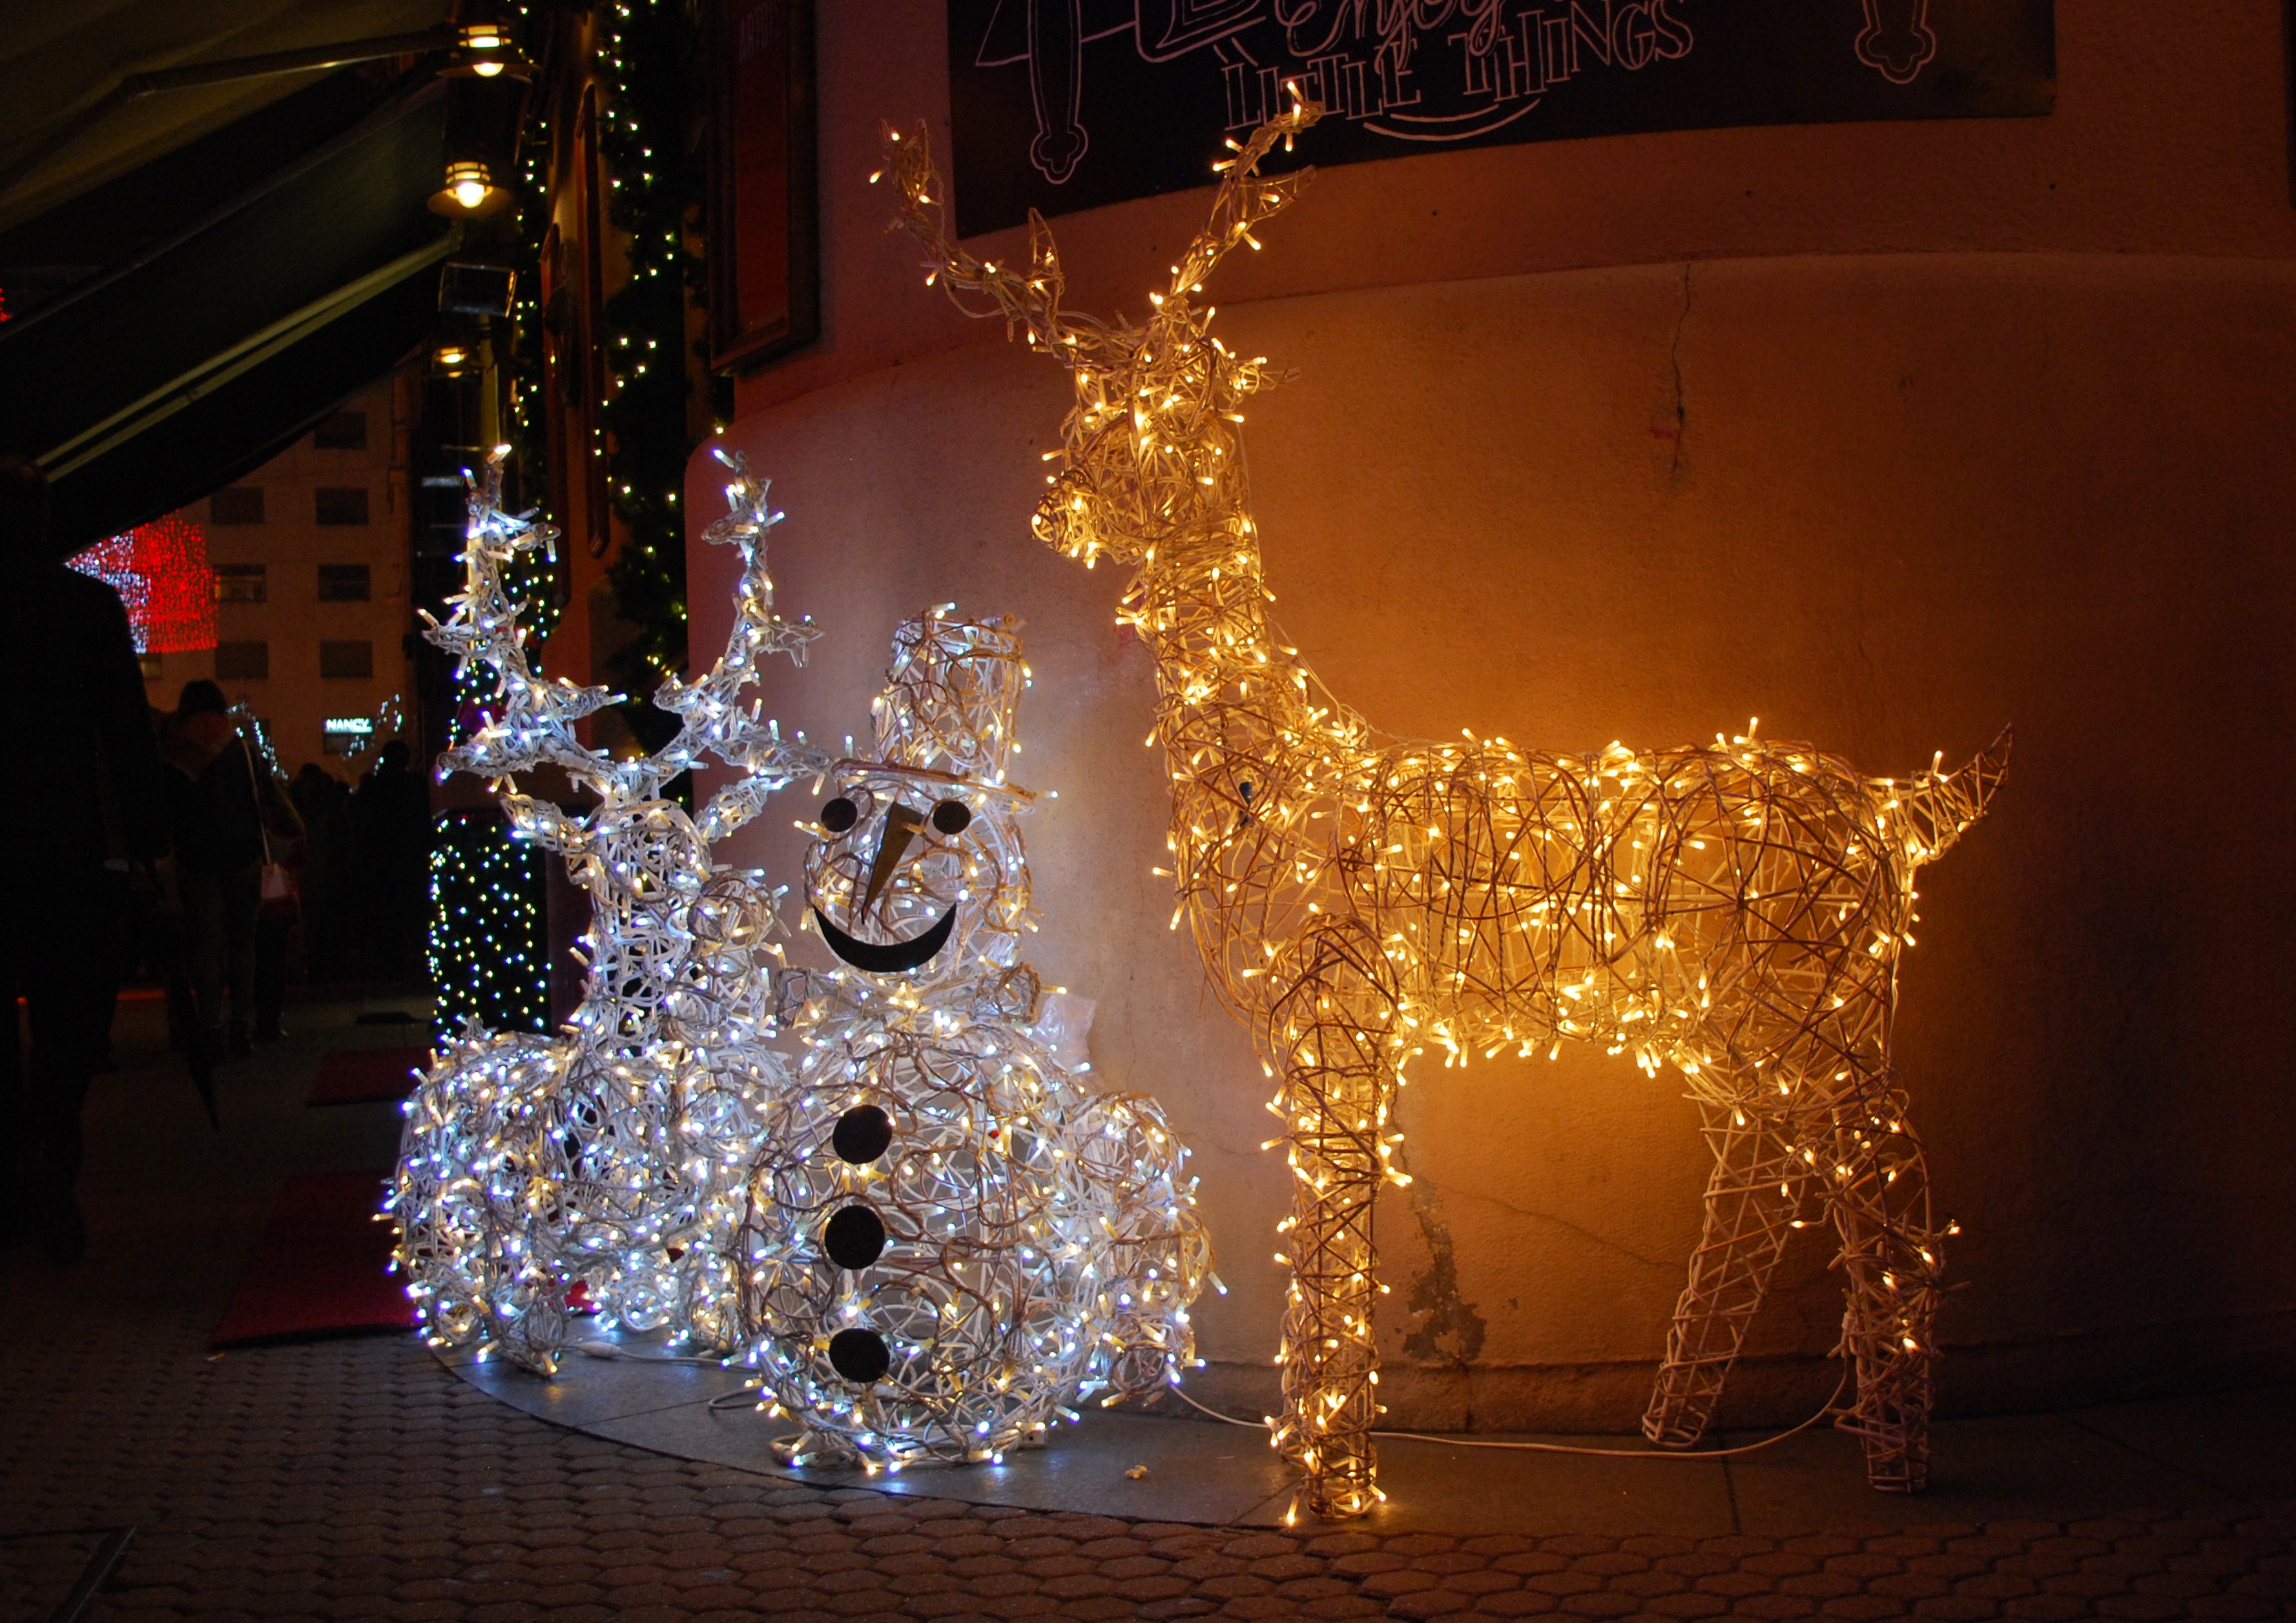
pixel 711 708
pixel 1246 197
pixel 1031 302
pixel 536 723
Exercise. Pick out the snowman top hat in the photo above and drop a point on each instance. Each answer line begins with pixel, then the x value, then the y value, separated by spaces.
pixel 951 695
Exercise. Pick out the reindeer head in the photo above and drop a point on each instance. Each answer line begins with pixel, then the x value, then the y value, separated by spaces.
pixel 1152 471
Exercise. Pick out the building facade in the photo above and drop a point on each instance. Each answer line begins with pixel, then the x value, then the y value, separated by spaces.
pixel 312 612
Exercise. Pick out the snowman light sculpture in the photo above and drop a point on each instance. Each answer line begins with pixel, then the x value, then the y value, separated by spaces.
pixel 950 1237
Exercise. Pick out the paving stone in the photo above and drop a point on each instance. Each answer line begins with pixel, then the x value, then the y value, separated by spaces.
pixel 1515 1603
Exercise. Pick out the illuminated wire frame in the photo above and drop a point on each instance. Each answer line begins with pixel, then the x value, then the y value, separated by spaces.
pixel 612 1158
pixel 1734 911
pixel 949 1236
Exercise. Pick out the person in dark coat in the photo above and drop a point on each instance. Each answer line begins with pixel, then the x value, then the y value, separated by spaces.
pixel 324 801
pixel 216 813
pixel 390 823
pixel 83 807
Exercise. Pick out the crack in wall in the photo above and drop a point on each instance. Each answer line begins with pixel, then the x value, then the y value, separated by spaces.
pixel 1673 359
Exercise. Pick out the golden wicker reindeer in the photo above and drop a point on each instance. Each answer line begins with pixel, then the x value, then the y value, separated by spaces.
pixel 1736 911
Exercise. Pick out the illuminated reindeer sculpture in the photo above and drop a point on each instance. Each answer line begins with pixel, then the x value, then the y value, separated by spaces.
pixel 615 1156
pixel 1734 911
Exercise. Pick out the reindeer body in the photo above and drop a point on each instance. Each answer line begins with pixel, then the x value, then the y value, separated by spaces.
pixel 1736 911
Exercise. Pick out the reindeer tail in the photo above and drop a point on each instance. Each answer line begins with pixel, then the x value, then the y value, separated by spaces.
pixel 1932 809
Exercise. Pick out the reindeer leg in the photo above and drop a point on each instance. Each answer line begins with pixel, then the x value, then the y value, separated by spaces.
pixel 1877 1184
pixel 1330 1034
pixel 1755 1187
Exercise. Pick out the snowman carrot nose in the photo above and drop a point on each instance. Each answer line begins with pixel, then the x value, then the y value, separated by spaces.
pixel 901 826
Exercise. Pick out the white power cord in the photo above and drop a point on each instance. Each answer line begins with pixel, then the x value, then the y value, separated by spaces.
pixel 1455 1442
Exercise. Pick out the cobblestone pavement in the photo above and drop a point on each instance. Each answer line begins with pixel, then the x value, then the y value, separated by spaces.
pixel 356 1479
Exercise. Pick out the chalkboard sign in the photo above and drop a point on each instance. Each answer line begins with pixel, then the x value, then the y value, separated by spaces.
pixel 1066 104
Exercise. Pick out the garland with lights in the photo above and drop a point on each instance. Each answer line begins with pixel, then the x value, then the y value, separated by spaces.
pixel 650 63
pixel 489 949
pixel 610 1157
pixel 1736 912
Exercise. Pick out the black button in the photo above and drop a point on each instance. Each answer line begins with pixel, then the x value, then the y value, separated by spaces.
pixel 860 1355
pixel 861 1135
pixel 952 817
pixel 840 814
pixel 854 1237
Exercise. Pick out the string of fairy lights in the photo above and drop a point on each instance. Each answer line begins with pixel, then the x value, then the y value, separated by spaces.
pixel 160 572
pixel 489 948
pixel 648 65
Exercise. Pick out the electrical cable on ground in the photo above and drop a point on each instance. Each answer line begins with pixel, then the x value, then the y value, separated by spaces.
pixel 1613 1453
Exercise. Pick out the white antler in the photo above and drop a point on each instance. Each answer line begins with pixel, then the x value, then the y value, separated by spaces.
pixel 533 723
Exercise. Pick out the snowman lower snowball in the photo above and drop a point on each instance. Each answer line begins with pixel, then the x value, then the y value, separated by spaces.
pixel 950 1236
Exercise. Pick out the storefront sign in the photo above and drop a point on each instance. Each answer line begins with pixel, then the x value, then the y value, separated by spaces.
pixel 1067 104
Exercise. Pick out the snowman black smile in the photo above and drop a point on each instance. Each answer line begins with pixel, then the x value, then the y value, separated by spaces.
pixel 894 959
pixel 902 825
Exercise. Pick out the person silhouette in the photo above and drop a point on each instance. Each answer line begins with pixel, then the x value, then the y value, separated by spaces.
pixel 74 696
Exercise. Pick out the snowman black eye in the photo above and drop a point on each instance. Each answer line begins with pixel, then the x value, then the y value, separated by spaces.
pixel 952 817
pixel 840 814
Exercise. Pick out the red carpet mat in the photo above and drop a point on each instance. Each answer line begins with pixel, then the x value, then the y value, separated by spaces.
pixel 319 1268
pixel 359 1075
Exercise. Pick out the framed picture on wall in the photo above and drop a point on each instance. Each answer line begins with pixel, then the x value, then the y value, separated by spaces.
pixel 764 258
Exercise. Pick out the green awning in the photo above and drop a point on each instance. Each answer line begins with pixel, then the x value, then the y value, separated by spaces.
pixel 155 383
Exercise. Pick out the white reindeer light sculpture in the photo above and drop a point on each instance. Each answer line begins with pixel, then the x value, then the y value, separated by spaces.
pixel 614 1157
pixel 1736 911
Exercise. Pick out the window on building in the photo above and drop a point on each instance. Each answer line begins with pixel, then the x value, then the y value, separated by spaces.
pixel 243 661
pixel 346 659
pixel 240 582
pixel 342 504
pixel 343 431
pixel 345 583
pixel 236 504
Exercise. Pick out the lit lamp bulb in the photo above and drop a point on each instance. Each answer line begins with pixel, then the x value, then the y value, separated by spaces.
pixel 470 189
pixel 479 37
pixel 484 50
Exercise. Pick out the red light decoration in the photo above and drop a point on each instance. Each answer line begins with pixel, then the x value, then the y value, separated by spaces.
pixel 160 572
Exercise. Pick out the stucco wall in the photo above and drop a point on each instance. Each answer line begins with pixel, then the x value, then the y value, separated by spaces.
pixel 1885 434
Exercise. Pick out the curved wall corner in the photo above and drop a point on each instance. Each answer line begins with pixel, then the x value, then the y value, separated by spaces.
pixel 1884 476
